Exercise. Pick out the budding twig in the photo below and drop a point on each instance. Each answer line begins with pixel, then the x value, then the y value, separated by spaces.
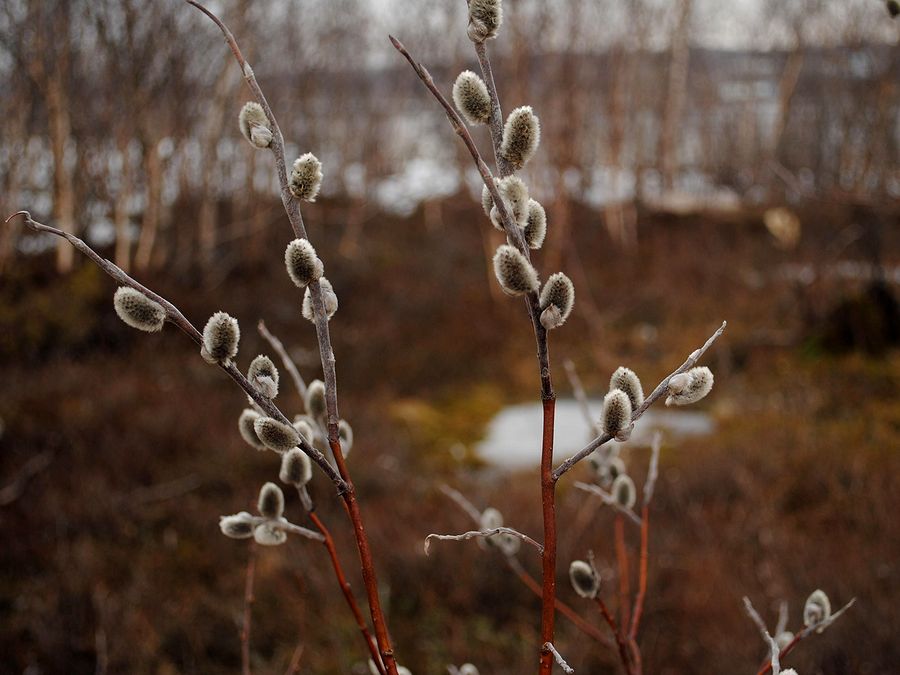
pixel 288 362
pixel 609 500
pixel 475 534
pixel 559 659
pixel 636 415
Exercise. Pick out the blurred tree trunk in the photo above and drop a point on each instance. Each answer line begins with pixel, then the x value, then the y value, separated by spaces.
pixel 153 169
pixel 676 90
pixel 121 216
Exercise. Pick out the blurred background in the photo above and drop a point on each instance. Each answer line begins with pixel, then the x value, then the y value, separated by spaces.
pixel 700 161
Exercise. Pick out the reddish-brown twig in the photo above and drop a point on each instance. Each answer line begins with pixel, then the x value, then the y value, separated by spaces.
pixel 548 558
pixel 294 665
pixel 248 609
pixel 622 560
pixel 347 590
pixel 620 639
pixel 642 576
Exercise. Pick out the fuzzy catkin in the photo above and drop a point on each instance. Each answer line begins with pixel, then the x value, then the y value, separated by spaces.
pixel 623 491
pixel 487 201
pixel 514 193
pixel 220 337
pixel 558 292
pixel 329 299
pixel 271 501
pixel 689 387
pixel 345 433
pixel 516 275
pixel 893 7
pixel 535 230
pixel 616 415
pixel 628 381
pixel 468 669
pixel 485 17
pixel 238 526
pixel 267 535
pixel 471 97
pixel 276 435
pixel 584 579
pixel 303 265
pixel 521 137
pixel 817 608
pixel 296 468
pixel 305 429
pixel 138 311
pixel 491 519
pixel 263 375
pixel 248 432
pixel 316 404
pixel 306 177
pixel 255 125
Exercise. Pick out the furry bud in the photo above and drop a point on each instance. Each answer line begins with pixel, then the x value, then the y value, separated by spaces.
pixel 266 535
pixel 789 671
pixel 271 501
pixel 514 193
pixel 893 7
pixel 471 97
pixel 508 544
pixel 689 387
pixel 623 491
pixel 220 337
pixel 276 435
pixel 296 468
pixel 535 225
pixel 303 265
pixel 238 526
pixel 263 375
pixel 315 399
pixel 515 274
pixel 248 432
pixel 616 415
pixel 305 429
pixel 345 433
pixel 255 125
pixel 491 519
pixel 558 292
pixel 306 177
pixel 626 380
pixel 467 669
pixel 521 136
pixel 487 201
pixel 138 311
pixel 329 299
pixel 485 17
pixel 783 639
pixel 611 469
pixel 817 609
pixel 584 579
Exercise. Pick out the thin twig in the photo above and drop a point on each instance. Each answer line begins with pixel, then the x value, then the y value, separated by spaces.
pixel 609 500
pixel 174 316
pixel 559 659
pixel 460 500
pixel 294 665
pixel 652 469
pixel 286 359
pixel 485 534
pixel 782 618
pixel 755 617
pixel 248 609
pixel 642 575
pixel 503 167
pixel 622 559
pixel 650 400
pixel 16 487
pixel 620 639
pixel 581 397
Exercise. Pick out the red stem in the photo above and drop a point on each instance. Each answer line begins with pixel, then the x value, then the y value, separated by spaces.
pixel 642 579
pixel 620 639
pixel 347 590
pixel 548 558
pixel 622 558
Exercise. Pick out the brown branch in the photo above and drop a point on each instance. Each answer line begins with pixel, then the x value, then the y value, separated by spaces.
pixel 620 639
pixel 642 577
pixel 286 359
pixel 483 534
pixel 294 665
pixel 326 352
pixel 487 73
pixel 548 559
pixel 248 610
pixel 348 591
pixel 174 316
pixel 622 560
pixel 650 400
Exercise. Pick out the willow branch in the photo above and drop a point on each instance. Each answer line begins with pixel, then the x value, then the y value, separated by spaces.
pixel 622 560
pixel 175 317
pixel 481 534
pixel 286 359
pixel 642 575
pixel 496 122
pixel 613 626
pixel 650 400
pixel 559 659
pixel 609 500
pixel 581 396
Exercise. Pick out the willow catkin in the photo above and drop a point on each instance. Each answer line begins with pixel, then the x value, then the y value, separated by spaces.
pixel 276 435
pixel 628 381
pixel 248 432
pixel 304 427
pixel 521 137
pixel 491 519
pixel 816 609
pixel 485 17
pixel 516 275
pixel 271 501
pixel 893 7
pixel 138 311
pixel 221 335
pixel 263 375
pixel 296 468
pixel 689 387
pixel 269 535
pixel 623 491
pixel 616 414
pixel 303 265
pixel 535 230
pixel 557 300
pixel 468 669
pixel 306 177
pixel 255 125
pixel 238 526
pixel 345 434
pixel 514 194
pixel 329 300
pixel 316 404
pixel 471 97
pixel 584 579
